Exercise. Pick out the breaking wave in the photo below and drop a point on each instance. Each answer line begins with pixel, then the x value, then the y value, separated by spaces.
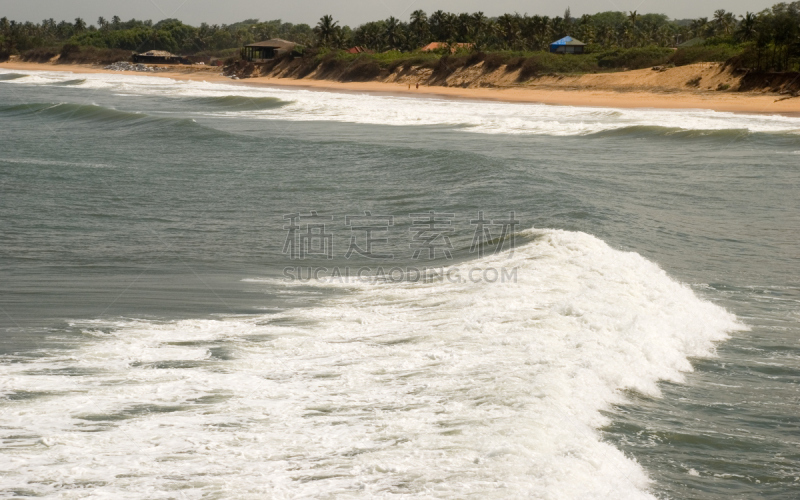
pixel 239 103
pixel 4 77
pixel 289 104
pixel 438 390
pixel 721 135
pixel 91 113
pixel 69 83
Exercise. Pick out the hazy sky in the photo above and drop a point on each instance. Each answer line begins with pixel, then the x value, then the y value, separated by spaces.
pixel 352 12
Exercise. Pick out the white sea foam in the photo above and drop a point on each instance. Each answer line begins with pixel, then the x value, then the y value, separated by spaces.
pixel 465 115
pixel 434 390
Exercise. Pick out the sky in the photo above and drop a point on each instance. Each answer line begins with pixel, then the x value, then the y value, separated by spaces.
pixel 349 12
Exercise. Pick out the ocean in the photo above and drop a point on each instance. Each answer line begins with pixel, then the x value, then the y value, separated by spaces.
pixel 222 291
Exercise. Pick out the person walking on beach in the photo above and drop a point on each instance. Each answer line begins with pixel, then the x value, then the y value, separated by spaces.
pixel 417 85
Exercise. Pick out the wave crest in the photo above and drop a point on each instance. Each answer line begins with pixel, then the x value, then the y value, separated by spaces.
pixel 381 385
pixel 240 103
pixel 10 76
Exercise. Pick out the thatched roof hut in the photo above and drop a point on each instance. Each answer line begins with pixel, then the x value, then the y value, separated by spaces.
pixel 266 50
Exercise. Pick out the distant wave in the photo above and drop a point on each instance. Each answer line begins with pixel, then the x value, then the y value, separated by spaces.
pixel 87 113
pixel 654 131
pixel 69 83
pixel 10 76
pixel 647 131
pixel 240 103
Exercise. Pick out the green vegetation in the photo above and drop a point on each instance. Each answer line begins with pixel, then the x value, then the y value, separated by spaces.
pixel 768 40
pixel 138 36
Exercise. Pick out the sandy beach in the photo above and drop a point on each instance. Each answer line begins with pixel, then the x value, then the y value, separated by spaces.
pixel 631 89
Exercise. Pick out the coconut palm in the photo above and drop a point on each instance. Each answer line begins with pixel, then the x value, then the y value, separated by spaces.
pixel 327 31
pixel 508 29
pixel 371 35
pixel 721 22
pixel 437 24
pixel 418 28
pixel 699 26
pixel 633 16
pixel 747 27
pixel 394 34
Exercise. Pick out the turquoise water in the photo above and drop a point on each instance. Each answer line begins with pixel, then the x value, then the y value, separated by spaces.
pixel 152 347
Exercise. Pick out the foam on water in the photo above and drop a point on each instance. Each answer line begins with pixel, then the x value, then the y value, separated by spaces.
pixel 465 115
pixel 437 390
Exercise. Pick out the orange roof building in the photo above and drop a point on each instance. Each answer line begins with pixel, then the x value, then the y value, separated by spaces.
pixel 358 50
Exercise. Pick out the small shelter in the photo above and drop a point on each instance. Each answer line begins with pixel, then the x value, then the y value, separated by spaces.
pixel 159 57
pixel 266 50
pixel 567 45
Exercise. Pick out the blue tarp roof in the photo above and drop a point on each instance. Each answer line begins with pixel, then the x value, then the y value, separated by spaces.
pixel 567 40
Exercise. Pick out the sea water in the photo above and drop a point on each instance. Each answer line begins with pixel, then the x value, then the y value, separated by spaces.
pixel 190 306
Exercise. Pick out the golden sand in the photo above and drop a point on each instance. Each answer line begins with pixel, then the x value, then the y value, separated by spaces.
pixel 630 89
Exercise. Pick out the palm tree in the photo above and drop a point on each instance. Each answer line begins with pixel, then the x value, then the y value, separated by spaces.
pixel 479 25
pixel 633 16
pixel 79 25
pixel 371 35
pixel 394 34
pixel 327 31
pixel 699 26
pixel 102 23
pixel 508 29
pixel 539 31
pixel 722 22
pixel 605 35
pixel 436 24
pixel 443 26
pixel 747 28
pixel 418 28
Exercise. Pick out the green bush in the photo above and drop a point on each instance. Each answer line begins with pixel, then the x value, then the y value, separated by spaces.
pixel 704 53
pixel 515 63
pixel 494 61
pixel 635 58
pixel 73 54
pixel 545 62
pixel 39 55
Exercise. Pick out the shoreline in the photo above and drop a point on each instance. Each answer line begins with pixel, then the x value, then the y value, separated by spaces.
pixel 736 102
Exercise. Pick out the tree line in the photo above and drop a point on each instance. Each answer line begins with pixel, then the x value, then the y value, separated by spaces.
pixel 138 35
pixel 771 38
